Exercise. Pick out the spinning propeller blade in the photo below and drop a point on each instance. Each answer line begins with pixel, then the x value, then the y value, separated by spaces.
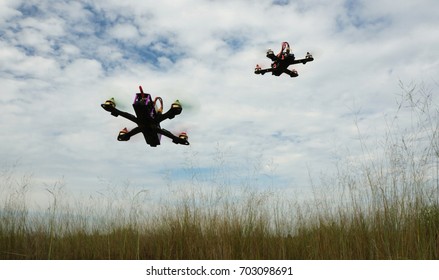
pixel 188 105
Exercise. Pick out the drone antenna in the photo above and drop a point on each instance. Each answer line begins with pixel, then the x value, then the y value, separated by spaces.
pixel 285 46
pixel 141 91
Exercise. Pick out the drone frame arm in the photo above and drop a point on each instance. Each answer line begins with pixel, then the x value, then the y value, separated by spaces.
pixel 116 112
pixel 175 139
pixel 291 73
pixel 170 114
pixel 127 135
pixel 134 131
pixel 263 71
pixel 272 56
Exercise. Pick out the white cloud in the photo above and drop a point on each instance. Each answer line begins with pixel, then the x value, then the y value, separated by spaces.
pixel 124 32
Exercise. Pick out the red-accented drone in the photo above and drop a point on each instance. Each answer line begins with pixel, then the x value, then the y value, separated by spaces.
pixel 148 118
pixel 281 61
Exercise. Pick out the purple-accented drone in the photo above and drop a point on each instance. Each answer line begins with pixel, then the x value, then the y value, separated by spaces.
pixel 281 61
pixel 148 118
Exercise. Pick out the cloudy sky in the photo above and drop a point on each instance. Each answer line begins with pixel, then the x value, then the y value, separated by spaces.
pixel 60 59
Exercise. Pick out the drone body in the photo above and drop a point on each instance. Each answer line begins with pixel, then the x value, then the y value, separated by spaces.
pixel 148 118
pixel 282 61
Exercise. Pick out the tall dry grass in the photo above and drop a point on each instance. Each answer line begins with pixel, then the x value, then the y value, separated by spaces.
pixel 381 205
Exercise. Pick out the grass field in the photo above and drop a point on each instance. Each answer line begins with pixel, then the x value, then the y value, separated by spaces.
pixel 384 207
pixel 399 228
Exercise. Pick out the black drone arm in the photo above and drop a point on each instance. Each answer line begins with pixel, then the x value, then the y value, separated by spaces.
pixel 272 56
pixel 116 112
pixel 126 115
pixel 134 131
pixel 175 139
pixel 263 71
pixel 126 136
pixel 291 73
pixel 170 114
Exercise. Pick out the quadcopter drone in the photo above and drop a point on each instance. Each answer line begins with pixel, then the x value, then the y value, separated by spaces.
pixel 281 61
pixel 148 118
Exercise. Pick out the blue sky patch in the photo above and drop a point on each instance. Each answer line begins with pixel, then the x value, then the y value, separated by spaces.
pixel 355 17
pixel 279 135
pixel 30 10
pixel 281 2
pixel 235 43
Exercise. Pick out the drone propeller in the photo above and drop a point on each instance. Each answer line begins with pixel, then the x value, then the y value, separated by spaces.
pixel 119 96
pixel 185 127
pixel 183 135
pixel 121 103
pixel 188 105
pixel 315 52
